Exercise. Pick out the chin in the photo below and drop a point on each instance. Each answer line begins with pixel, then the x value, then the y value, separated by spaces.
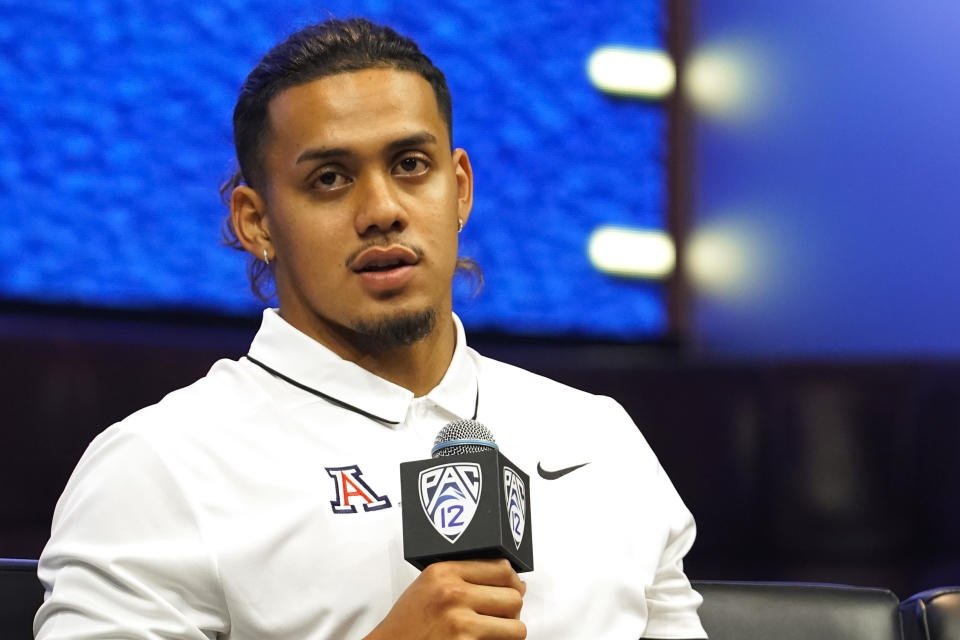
pixel 400 329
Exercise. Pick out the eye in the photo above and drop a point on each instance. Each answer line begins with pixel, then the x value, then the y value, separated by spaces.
pixel 412 166
pixel 329 180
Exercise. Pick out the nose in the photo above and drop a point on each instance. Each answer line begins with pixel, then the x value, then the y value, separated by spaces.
pixel 378 207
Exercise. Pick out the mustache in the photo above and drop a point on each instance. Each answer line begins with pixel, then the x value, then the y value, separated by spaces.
pixel 382 242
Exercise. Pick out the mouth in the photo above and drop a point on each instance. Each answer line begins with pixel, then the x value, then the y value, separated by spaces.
pixel 380 259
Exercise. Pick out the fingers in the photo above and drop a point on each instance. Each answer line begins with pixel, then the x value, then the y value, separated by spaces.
pixel 473 626
pixel 475 599
pixel 501 602
pixel 493 573
pixel 504 628
pixel 492 587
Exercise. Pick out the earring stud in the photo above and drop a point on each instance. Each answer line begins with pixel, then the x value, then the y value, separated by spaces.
pixel 460 222
pixel 265 258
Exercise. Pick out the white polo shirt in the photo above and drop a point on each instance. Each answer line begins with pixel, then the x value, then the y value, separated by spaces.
pixel 246 507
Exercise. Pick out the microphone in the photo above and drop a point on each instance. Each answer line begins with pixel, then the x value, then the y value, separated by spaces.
pixel 467 501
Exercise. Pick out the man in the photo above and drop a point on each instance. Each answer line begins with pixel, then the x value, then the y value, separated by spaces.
pixel 261 502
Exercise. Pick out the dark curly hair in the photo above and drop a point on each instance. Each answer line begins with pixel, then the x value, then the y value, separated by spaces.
pixel 317 51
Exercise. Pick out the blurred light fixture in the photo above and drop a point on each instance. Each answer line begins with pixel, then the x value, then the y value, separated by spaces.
pixel 724 79
pixel 730 257
pixel 631 253
pixel 629 71
pixel 715 260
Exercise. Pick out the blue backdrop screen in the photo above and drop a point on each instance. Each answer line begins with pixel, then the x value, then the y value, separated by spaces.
pixel 115 129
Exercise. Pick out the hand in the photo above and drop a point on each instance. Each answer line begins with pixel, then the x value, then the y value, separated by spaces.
pixel 458 600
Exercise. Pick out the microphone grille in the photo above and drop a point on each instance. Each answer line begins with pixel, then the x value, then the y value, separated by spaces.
pixel 462 436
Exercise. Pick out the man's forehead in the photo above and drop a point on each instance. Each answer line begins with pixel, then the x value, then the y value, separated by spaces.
pixel 366 103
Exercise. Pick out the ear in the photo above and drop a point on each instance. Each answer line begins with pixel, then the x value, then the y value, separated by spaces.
pixel 247 211
pixel 464 175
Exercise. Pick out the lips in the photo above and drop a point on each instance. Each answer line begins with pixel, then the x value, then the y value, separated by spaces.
pixel 385 270
pixel 379 259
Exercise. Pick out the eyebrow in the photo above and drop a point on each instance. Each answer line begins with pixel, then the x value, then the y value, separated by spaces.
pixel 423 137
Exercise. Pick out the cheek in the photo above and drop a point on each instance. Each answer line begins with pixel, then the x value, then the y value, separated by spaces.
pixel 311 251
pixel 317 260
pixel 442 235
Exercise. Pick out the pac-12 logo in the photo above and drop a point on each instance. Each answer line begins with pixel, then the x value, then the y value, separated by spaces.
pixel 449 494
pixel 515 495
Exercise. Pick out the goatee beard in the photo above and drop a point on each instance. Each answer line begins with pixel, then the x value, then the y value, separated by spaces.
pixel 392 332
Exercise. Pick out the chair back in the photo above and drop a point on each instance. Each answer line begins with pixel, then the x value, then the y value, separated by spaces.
pixel 21 594
pixel 932 615
pixel 797 611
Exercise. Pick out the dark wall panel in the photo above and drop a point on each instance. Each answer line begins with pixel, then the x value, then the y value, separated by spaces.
pixel 812 471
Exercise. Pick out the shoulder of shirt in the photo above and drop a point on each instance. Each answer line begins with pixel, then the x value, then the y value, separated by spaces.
pixel 221 397
pixel 508 379
pixel 550 411
pixel 188 428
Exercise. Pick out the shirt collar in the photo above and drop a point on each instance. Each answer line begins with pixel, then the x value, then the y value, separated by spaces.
pixel 458 392
pixel 300 358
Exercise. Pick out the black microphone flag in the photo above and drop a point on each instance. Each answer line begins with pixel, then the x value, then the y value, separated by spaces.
pixel 468 501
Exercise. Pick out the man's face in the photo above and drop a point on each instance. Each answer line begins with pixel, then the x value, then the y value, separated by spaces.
pixel 362 202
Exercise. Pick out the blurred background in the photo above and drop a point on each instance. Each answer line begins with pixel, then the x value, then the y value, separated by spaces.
pixel 738 218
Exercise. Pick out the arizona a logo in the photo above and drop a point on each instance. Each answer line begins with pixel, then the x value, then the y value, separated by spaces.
pixel 351 488
pixel 449 494
pixel 515 495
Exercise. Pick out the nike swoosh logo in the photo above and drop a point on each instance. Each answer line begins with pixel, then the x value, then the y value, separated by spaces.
pixel 559 473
